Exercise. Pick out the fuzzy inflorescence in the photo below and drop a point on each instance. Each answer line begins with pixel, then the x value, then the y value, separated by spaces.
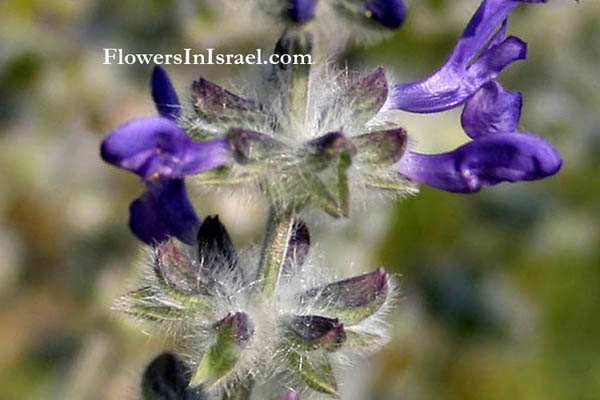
pixel 235 332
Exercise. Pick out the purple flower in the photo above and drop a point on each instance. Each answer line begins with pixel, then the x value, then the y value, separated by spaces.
pixel 157 148
pixel 301 11
pixel 389 13
pixel 162 154
pixel 492 159
pixel 477 58
pixel 498 153
pixel 491 114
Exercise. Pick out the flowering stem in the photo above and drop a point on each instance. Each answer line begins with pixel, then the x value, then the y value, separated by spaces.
pixel 274 249
pixel 293 78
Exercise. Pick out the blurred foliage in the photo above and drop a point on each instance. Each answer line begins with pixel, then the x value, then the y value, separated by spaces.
pixel 499 290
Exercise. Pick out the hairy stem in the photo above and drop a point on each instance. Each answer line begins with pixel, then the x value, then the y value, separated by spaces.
pixel 293 79
pixel 274 249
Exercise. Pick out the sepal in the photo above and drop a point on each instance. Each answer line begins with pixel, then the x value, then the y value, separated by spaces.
pixel 232 334
pixel 177 271
pixel 250 148
pixel 217 106
pixel 316 372
pixel 365 97
pixel 351 300
pixel 142 303
pixel 381 148
pixel 217 255
pixel 312 332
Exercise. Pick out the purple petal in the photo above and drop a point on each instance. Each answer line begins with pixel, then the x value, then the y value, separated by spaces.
pixel 301 11
pixel 491 110
pixel 389 13
pixel 164 95
pixel 162 211
pixel 145 220
pixel 157 147
pixel 488 160
pixel 463 74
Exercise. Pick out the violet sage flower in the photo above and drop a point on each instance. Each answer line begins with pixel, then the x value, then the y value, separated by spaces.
pixel 491 115
pixel 162 154
pixel 232 331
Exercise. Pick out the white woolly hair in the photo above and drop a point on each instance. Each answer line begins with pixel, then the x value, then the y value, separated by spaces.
pixel 265 357
pixel 327 110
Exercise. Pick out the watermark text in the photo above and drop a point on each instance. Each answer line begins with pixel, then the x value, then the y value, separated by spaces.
pixel 114 56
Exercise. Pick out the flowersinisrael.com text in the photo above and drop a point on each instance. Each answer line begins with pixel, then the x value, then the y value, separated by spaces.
pixel 188 57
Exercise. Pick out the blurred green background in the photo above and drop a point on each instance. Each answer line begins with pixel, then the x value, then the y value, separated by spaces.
pixel 500 290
